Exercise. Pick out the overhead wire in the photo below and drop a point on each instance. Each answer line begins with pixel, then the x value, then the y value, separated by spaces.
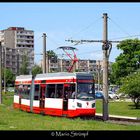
pixel 53 40
pixel 89 26
pixel 129 35
pixel 38 38
pixel 90 52
pixel 125 37
pixel 85 28
pixel 119 26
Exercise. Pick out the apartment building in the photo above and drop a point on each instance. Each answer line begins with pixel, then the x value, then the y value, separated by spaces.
pixel 20 42
pixel 9 59
pixel 82 65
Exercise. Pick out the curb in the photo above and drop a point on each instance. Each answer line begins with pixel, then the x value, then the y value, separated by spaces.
pixel 120 118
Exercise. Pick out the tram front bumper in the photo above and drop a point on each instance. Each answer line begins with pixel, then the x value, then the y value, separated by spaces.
pixel 82 112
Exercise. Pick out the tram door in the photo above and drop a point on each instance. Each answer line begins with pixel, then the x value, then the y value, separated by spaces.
pixel 42 96
pixel 69 89
pixel 65 97
pixel 20 93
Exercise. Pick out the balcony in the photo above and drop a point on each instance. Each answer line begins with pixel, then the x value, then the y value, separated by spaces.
pixel 25 43
pixel 25 38
pixel 25 33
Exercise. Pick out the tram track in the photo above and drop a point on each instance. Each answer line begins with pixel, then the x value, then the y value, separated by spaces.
pixel 124 120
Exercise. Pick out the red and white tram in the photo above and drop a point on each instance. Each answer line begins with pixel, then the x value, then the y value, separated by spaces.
pixel 59 94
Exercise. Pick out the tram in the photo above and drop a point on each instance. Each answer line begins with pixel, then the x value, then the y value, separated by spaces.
pixel 58 94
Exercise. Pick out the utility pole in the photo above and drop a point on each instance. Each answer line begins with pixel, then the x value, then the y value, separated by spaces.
pixel 17 52
pixel 98 74
pixel 48 64
pixel 106 47
pixel 105 67
pixel 44 53
pixel 0 73
pixel 5 70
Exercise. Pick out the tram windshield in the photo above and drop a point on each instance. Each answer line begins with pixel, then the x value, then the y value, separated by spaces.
pixel 85 91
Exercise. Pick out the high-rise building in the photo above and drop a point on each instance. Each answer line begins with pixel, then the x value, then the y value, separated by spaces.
pixel 20 42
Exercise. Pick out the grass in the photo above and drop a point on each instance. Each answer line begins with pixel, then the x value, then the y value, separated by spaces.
pixel 14 119
pixel 119 108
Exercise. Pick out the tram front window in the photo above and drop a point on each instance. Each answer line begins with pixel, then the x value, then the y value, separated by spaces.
pixel 85 91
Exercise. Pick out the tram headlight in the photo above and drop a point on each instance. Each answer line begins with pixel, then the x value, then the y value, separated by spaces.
pixel 93 105
pixel 79 104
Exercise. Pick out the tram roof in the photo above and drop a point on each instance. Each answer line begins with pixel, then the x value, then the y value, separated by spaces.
pixel 63 74
pixel 54 75
pixel 24 77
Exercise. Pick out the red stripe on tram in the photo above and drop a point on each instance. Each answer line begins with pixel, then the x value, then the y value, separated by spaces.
pixel 55 81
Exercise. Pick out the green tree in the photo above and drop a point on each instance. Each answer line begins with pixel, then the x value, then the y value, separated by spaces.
pixel 24 66
pixel 36 70
pixel 127 62
pixel 9 76
pixel 52 55
pixel 131 86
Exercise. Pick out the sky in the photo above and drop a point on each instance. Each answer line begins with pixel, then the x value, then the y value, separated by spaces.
pixel 62 21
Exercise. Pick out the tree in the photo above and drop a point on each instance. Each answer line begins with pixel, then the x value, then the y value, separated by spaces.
pixel 131 86
pixel 9 76
pixel 24 66
pixel 127 62
pixel 36 70
pixel 52 56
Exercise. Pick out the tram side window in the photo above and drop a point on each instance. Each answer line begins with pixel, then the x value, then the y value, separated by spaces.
pixel 73 91
pixel 59 91
pixel 26 91
pixel 50 91
pixel 69 91
pixel 54 91
pixel 20 90
pixel 36 94
pixel 23 91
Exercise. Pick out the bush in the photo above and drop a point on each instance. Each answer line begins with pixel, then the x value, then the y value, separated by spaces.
pixel 131 86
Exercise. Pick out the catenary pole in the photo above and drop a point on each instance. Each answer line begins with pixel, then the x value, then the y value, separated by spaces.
pixel 98 74
pixel 44 53
pixel 106 47
pixel 5 69
pixel 105 67
pixel 0 73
